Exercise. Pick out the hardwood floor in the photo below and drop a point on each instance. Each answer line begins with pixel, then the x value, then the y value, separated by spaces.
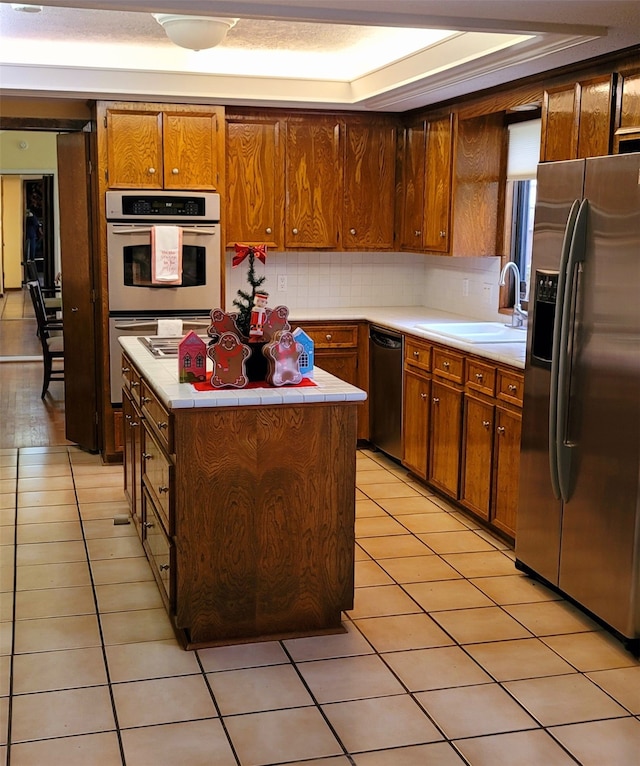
pixel 25 419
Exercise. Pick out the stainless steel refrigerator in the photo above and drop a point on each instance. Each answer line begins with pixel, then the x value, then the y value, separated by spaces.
pixel 579 509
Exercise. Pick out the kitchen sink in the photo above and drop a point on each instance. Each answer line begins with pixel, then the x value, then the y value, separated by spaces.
pixel 477 332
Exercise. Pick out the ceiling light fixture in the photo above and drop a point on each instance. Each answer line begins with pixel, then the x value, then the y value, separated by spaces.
pixel 26 7
pixel 195 32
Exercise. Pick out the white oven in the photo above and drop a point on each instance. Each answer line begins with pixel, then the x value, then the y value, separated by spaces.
pixel 134 220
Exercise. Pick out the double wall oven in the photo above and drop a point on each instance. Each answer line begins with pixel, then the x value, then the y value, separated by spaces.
pixel 136 300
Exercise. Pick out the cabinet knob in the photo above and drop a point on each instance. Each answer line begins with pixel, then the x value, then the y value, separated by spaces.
pixel 417 233
pixel 512 388
pixel 163 489
pixel 148 525
pixel 134 384
pixel 352 232
pixel 163 424
pixel 268 230
pixel 500 430
pixel 134 423
pixel 328 336
pixel 486 423
pixel 147 456
pixel 175 171
pixel 423 396
pixel 152 171
pixel 416 354
pixel 124 369
pixel 443 234
pixel 145 399
pixel 74 309
pixel 436 400
pixel 446 365
pixel 479 377
pixel 164 567
pixel 295 231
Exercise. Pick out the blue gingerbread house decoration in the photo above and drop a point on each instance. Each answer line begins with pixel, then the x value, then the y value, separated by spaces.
pixel 306 360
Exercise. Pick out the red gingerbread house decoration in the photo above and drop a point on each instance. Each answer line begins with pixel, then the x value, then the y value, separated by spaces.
pixel 192 358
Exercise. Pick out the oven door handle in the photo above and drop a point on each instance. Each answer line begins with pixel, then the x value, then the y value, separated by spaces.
pixel 125 229
pixel 137 325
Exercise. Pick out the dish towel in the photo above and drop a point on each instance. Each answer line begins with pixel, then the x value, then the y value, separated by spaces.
pixel 166 255
pixel 169 328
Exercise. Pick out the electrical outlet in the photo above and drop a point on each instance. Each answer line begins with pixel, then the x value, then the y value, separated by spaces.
pixel 465 288
pixel 282 283
pixel 487 292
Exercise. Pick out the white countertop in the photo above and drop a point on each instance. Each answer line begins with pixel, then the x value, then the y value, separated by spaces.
pixel 405 318
pixel 162 376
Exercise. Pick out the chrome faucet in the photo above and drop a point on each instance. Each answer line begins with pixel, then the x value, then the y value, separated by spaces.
pixel 518 317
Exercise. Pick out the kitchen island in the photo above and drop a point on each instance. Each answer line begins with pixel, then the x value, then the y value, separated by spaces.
pixel 244 500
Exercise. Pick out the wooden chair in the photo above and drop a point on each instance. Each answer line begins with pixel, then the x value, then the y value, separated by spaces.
pixel 52 298
pixel 50 334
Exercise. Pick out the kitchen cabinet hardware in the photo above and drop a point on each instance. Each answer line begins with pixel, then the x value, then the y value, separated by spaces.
pixel 328 337
pixel 443 233
pixel 127 416
pixel 164 567
pixel 163 490
pixel 268 230
pixel 512 388
pixel 145 399
pixel 147 456
pixel 74 309
pixel 352 232
pixel 148 525
pixel 163 424
pixel 486 423
pixel 294 231
pixel 124 370
pixel 133 423
pixel 423 396
pixel 500 430
pixel 479 376
pixel 134 384
pixel 152 171
pixel 436 400
pixel 175 171
pixel 446 364
pixel 417 233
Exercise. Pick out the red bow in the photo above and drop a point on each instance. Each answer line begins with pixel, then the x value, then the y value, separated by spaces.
pixel 242 251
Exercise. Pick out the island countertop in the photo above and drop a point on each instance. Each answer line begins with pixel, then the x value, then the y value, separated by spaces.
pixel 162 376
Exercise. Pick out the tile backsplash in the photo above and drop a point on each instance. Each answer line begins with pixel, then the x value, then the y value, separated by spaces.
pixel 467 286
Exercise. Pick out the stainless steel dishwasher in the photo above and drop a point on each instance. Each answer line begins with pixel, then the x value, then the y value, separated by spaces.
pixel 385 390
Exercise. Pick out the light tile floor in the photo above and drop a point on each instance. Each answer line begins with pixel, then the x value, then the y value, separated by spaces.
pixel 451 656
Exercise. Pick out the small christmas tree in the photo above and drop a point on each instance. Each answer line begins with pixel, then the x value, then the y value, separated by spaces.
pixel 245 300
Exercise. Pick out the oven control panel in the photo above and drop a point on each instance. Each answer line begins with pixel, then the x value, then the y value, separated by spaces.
pixel 169 206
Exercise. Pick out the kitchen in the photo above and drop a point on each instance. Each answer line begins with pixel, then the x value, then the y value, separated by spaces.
pixel 447 275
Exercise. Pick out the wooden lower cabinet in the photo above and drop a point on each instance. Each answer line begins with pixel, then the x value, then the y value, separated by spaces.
pixel 248 517
pixel 461 429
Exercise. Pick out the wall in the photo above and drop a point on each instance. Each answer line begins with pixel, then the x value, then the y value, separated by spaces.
pixel 38 157
pixel 12 231
pixel 351 280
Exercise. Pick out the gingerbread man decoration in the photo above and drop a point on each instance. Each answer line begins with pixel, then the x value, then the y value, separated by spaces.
pixel 222 322
pixel 283 354
pixel 277 319
pixel 229 356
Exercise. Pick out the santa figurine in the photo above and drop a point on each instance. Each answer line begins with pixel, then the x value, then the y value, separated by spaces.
pixel 258 317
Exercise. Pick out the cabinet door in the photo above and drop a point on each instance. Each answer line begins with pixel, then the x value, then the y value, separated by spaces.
pixel 445 437
pixel 507 470
pixel 190 144
pixel 134 149
pixel 255 181
pixel 132 458
pixel 437 202
pixel 596 115
pixel 313 188
pixel 415 426
pixel 413 186
pixel 477 450
pixel 369 186
pixel 559 124
pixel 342 364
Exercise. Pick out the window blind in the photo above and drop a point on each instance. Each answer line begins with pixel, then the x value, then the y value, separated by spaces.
pixel 524 150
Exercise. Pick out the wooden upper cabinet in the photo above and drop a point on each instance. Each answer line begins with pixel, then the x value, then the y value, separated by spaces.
pixel 437 200
pixel 369 184
pixel 134 149
pixel 627 135
pixel 413 185
pixel 313 187
pixel 157 146
pixel 255 180
pixel 577 119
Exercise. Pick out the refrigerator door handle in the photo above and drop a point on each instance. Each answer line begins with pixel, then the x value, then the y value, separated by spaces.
pixel 555 352
pixel 576 256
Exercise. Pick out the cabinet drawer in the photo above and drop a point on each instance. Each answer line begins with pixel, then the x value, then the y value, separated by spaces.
pixel 158 548
pixel 510 387
pixel 480 377
pixel 417 354
pixel 333 336
pixel 130 379
pixel 447 364
pixel 157 474
pixel 157 416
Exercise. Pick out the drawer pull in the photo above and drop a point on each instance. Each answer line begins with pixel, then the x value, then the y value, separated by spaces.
pixel 163 489
pixel 133 424
pixel 145 399
pixel 416 354
pixel 446 365
pixel 436 400
pixel 147 456
pixel 134 384
pixel 163 424
pixel 443 233
pixel 486 423
pixel 328 336
pixel 417 233
pixel 125 369
pixel 127 417
pixel 479 377
pixel 500 430
pixel 423 396
pixel 512 388
pixel 148 525
pixel 164 567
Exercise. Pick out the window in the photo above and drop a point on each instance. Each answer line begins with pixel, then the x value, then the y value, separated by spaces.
pixel 523 157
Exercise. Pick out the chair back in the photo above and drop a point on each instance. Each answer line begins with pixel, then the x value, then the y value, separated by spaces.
pixel 32 271
pixel 38 306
